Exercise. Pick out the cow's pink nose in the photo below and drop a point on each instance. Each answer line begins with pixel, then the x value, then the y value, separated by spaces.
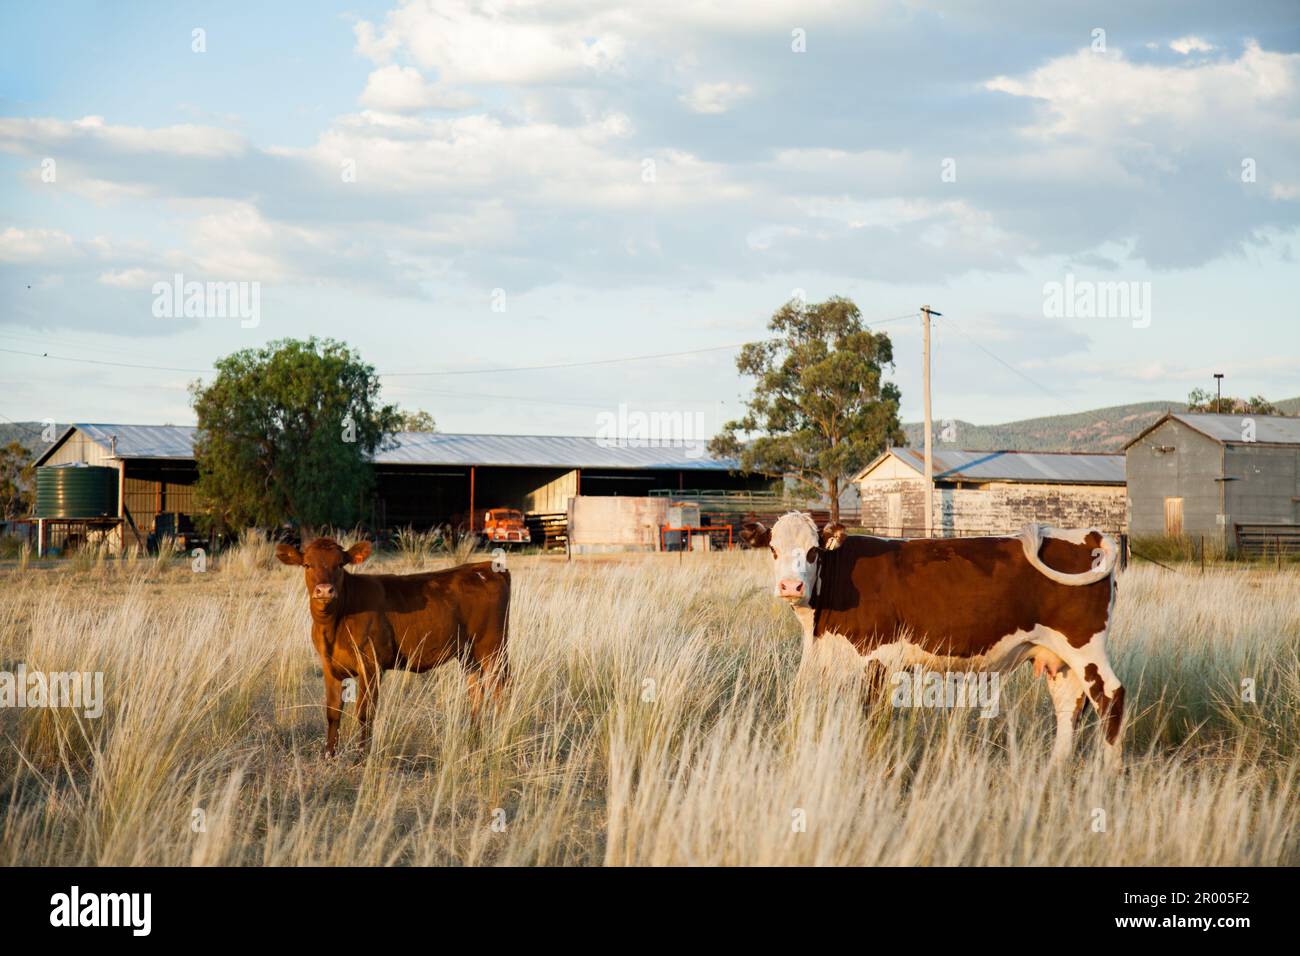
pixel 792 587
pixel 323 592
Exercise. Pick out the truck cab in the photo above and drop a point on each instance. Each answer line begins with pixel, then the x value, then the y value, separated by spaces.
pixel 504 527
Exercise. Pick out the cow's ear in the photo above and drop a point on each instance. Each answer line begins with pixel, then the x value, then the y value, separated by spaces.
pixel 359 552
pixel 288 554
pixel 755 534
pixel 833 536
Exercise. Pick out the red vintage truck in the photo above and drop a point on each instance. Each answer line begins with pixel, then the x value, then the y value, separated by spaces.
pixel 504 526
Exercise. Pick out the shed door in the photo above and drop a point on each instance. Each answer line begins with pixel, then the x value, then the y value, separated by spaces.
pixel 894 512
pixel 1174 517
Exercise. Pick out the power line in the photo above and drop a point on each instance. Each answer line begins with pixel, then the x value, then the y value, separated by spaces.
pixel 897 318
pixel 559 365
pixel 408 374
pixel 46 340
pixel 1007 365
pixel 64 358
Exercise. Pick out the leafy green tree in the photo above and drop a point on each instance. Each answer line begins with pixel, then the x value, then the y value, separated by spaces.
pixel 417 420
pixel 1203 400
pixel 17 469
pixel 286 433
pixel 820 409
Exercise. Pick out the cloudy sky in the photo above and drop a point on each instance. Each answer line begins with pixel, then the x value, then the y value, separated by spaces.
pixel 462 188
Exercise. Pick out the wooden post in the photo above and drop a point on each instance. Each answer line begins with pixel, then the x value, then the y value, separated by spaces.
pixel 121 502
pixel 471 499
pixel 929 429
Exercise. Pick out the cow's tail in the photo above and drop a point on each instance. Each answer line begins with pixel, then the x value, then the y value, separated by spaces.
pixel 1103 564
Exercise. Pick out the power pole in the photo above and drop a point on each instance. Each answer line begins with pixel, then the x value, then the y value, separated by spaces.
pixel 926 312
pixel 1218 388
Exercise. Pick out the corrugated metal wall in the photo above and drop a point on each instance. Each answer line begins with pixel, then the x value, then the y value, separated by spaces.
pixel 1175 461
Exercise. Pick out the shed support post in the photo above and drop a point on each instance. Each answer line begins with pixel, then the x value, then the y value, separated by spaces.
pixel 121 506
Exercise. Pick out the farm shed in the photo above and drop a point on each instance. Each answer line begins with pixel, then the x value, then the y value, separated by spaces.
pixel 1233 478
pixel 991 492
pixel 424 479
pixel 156 474
pixel 432 477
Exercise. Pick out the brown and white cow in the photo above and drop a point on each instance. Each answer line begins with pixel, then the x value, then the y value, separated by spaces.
pixel 945 604
pixel 364 624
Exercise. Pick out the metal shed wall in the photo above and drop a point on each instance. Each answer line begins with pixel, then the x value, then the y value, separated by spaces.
pixel 1263 485
pixel 1175 461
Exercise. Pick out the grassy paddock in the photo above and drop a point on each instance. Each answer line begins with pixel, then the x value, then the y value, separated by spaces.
pixel 655 718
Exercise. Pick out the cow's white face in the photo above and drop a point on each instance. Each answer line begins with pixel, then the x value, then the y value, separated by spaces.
pixel 794 545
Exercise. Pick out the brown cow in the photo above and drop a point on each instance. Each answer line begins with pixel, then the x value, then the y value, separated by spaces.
pixel 960 604
pixel 365 624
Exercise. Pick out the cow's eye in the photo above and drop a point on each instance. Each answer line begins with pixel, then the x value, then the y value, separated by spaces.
pixel 773 550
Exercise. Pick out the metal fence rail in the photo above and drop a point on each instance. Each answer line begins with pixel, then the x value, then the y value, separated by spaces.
pixel 1265 540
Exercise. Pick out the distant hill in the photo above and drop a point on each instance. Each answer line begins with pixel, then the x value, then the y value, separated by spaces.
pixel 28 434
pixel 1099 430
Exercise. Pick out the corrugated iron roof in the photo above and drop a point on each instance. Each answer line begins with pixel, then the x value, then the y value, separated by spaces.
pixel 548 451
pixel 1269 429
pixel 1062 467
pixel 143 441
pixel 436 448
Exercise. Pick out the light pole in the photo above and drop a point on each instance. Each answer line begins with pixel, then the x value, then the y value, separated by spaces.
pixel 1218 388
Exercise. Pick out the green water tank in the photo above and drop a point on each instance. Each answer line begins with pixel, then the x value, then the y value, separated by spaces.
pixel 76 491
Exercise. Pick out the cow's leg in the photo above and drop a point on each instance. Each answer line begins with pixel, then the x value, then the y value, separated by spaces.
pixel 1067 700
pixel 496 668
pixel 487 673
pixel 876 675
pixel 1103 690
pixel 333 710
pixel 474 682
pixel 367 700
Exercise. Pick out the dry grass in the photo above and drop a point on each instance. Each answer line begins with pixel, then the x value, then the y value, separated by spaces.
pixel 655 718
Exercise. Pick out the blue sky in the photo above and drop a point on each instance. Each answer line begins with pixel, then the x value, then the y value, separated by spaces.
pixel 502 211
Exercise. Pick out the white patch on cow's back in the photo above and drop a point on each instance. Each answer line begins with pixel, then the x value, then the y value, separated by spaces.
pixel 1072 535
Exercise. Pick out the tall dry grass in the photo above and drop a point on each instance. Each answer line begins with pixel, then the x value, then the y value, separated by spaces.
pixel 655 718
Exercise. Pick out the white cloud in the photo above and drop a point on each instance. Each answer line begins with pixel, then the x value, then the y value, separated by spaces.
pixel 44 246
pixel 401 89
pixel 1186 45
pixel 375 47
pixel 187 140
pixel 500 42
pixel 714 97
pixel 135 278
pixel 1098 96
